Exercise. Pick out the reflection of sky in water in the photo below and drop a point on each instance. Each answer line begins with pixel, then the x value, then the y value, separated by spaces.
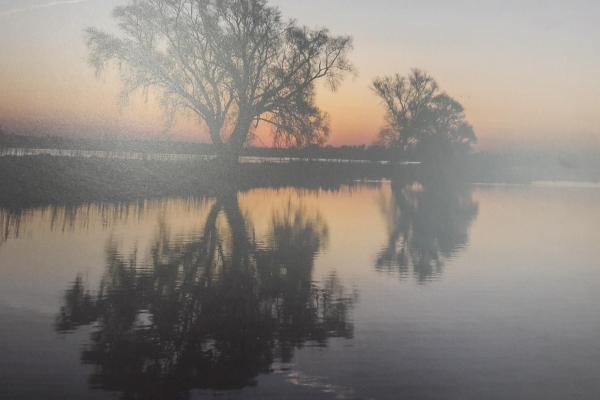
pixel 511 314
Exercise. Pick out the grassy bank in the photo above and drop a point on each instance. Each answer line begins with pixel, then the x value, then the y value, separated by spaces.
pixel 40 180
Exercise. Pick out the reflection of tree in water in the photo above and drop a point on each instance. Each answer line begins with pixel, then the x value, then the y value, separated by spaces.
pixel 10 225
pixel 15 223
pixel 428 221
pixel 211 313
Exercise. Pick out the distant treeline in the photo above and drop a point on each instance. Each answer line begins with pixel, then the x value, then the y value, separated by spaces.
pixel 523 166
pixel 503 166
pixel 372 153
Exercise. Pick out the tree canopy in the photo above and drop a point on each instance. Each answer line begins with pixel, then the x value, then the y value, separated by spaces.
pixel 420 117
pixel 232 63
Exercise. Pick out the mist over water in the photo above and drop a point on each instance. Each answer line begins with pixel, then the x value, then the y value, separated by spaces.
pixel 381 290
pixel 273 199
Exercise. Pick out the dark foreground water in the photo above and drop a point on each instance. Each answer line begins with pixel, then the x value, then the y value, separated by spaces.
pixel 375 291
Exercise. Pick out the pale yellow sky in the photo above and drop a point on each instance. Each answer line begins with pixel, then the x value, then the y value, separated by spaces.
pixel 526 71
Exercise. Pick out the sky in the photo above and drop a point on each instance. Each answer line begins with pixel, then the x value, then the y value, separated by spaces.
pixel 527 72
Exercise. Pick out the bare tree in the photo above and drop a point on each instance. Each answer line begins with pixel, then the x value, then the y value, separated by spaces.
pixel 420 116
pixel 232 63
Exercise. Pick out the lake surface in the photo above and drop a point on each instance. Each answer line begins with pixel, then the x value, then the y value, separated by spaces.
pixel 371 291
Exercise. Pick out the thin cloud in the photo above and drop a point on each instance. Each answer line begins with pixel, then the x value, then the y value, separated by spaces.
pixel 40 6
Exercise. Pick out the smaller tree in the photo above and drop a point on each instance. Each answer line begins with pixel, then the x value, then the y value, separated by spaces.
pixel 422 120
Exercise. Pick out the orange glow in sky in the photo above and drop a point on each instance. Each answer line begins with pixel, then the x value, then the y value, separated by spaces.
pixel 526 76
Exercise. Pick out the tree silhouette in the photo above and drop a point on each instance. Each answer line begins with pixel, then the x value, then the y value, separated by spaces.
pixel 422 121
pixel 10 224
pixel 428 221
pixel 211 313
pixel 232 63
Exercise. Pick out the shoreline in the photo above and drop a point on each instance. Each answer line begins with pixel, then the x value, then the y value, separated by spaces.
pixel 30 181
pixel 39 180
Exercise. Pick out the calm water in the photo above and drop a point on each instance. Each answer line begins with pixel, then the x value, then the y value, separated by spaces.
pixel 374 291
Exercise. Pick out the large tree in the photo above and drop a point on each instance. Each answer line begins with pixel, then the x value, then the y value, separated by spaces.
pixel 232 63
pixel 421 119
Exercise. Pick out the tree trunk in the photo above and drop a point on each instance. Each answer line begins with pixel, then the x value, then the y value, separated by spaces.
pixel 228 156
pixel 230 152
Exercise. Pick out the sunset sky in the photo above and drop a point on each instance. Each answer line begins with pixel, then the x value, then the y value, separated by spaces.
pixel 527 72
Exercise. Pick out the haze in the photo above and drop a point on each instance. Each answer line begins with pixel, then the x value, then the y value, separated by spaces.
pixel 526 71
